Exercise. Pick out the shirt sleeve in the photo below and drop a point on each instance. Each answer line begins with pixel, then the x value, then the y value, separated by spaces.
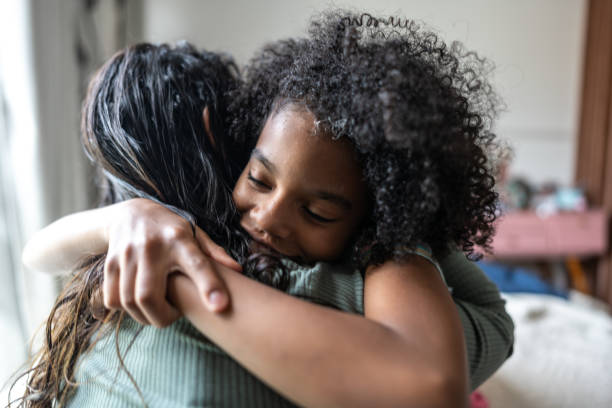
pixel 488 328
pixel 424 251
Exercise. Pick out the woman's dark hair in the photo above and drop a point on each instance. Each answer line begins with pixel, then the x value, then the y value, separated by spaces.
pixel 417 111
pixel 142 126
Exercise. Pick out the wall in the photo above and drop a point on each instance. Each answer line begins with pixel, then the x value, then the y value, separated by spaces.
pixel 536 46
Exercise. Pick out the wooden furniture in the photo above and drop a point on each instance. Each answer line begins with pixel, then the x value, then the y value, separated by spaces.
pixel 594 144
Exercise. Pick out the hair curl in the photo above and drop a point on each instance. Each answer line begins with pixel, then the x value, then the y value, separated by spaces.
pixel 418 112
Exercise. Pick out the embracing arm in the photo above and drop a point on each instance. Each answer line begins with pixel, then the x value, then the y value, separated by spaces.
pixel 407 351
pixel 138 235
pixel 63 244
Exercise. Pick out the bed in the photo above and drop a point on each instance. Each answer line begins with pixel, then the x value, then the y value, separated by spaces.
pixel 562 354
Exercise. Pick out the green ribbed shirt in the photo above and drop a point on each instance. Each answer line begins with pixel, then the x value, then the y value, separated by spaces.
pixel 178 367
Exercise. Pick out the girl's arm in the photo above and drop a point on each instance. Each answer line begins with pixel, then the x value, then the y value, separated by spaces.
pixel 408 351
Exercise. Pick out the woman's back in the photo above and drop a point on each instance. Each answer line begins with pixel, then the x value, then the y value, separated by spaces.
pixel 178 367
pixel 153 125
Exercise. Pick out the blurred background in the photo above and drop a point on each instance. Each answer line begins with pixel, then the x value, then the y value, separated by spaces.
pixel 553 63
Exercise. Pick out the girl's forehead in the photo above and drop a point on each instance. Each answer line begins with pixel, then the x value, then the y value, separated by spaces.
pixel 297 133
pixel 292 145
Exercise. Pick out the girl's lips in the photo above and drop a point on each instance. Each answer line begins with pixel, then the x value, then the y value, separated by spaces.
pixel 262 244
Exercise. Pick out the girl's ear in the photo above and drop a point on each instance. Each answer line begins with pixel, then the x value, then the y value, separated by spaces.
pixel 206 119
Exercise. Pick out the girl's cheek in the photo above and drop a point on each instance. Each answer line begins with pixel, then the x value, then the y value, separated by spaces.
pixel 240 197
pixel 330 247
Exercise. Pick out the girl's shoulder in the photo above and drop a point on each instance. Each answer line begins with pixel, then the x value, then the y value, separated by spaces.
pixel 422 250
pixel 338 285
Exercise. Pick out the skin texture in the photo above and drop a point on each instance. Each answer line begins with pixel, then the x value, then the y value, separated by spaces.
pixel 301 193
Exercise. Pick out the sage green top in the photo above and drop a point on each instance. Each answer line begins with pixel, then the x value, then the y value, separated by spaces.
pixel 178 367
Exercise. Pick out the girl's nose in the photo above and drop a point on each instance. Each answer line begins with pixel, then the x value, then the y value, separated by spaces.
pixel 273 217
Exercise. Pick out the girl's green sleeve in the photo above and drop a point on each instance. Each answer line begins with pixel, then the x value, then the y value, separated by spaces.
pixel 488 328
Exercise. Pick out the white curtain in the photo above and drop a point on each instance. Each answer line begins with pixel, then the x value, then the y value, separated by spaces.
pixel 48 50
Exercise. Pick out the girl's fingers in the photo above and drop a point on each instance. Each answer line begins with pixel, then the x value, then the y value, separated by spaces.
pixel 215 251
pixel 202 271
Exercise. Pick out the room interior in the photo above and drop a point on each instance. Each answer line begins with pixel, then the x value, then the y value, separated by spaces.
pixel 552 255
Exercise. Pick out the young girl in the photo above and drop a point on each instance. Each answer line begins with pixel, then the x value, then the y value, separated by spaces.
pixel 323 87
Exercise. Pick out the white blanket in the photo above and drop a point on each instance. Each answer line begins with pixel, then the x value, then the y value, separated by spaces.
pixel 562 355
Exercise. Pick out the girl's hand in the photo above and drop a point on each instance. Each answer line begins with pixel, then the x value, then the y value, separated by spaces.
pixel 146 243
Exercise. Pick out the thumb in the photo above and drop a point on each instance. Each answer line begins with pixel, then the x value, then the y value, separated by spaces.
pixel 203 272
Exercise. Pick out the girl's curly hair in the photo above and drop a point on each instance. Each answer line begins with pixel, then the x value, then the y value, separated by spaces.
pixel 418 112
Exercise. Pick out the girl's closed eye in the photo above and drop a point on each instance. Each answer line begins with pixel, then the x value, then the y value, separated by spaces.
pixel 256 182
pixel 319 218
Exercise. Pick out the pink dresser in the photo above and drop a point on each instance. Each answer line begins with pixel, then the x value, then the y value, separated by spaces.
pixel 526 235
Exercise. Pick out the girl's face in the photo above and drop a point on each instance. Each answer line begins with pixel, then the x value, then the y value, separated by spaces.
pixel 301 193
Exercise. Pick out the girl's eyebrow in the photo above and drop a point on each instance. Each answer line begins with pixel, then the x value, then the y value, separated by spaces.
pixel 334 198
pixel 257 154
pixel 321 194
